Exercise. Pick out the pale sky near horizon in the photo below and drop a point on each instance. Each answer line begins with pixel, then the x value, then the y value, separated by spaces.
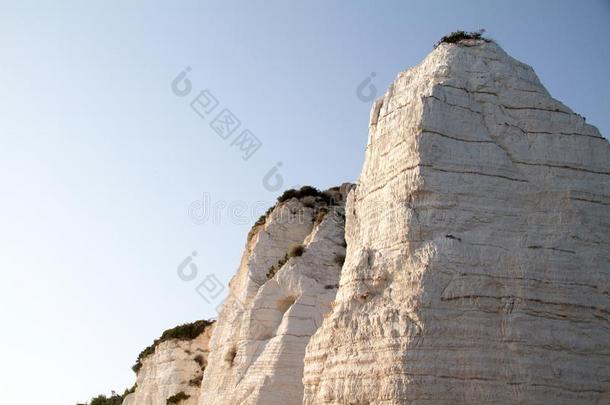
pixel 100 160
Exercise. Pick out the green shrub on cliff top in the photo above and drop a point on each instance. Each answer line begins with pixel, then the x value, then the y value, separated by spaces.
pixel 187 331
pixel 457 36
pixel 114 398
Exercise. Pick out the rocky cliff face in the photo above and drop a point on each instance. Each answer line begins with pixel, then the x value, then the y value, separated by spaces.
pixel 478 258
pixel 477 267
pixel 175 366
pixel 286 280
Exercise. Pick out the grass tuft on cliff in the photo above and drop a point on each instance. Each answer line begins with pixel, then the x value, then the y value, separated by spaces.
pixel 114 399
pixel 296 250
pixel 457 36
pixel 103 400
pixel 174 399
pixel 187 331
pixel 293 251
pixel 305 191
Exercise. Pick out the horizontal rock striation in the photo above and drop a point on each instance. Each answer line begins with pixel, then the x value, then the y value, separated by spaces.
pixel 478 259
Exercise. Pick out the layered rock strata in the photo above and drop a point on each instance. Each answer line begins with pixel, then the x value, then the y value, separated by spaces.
pixel 478 259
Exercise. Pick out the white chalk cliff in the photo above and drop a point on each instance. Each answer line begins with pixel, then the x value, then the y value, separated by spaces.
pixel 477 268
pixel 478 258
pixel 175 366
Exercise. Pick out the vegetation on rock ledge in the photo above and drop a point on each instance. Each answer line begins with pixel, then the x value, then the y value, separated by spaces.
pixel 294 251
pixel 305 191
pixel 187 331
pixel 196 381
pixel 174 399
pixel 114 399
pixel 321 197
pixel 457 36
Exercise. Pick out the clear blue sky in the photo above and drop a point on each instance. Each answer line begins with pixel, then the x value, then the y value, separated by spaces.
pixel 100 161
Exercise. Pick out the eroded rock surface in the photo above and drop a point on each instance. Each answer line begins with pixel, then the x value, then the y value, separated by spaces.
pixel 286 280
pixel 175 366
pixel 478 259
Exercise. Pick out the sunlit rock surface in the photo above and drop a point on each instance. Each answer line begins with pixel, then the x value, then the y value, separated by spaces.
pixel 175 366
pixel 276 303
pixel 478 258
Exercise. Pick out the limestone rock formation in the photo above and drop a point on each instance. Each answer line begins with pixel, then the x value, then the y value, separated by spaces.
pixel 175 366
pixel 478 258
pixel 286 280
pixel 477 261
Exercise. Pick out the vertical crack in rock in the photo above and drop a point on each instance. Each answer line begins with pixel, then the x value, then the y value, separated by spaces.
pixel 478 260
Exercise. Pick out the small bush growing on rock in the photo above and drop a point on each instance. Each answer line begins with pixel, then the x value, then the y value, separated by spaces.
pixel 130 390
pixel 174 399
pixel 340 259
pixel 273 269
pixel 263 218
pixel 307 191
pixel 260 222
pixel 103 400
pixel 300 193
pixel 114 398
pixel 230 356
pixel 271 272
pixel 196 381
pixel 296 250
pixel 199 360
pixel 320 215
pixel 458 36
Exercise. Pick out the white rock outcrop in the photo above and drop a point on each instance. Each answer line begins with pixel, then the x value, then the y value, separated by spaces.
pixel 478 258
pixel 176 366
pixel 276 302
